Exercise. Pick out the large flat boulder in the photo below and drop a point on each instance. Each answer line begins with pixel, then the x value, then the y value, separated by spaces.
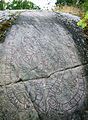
pixel 43 68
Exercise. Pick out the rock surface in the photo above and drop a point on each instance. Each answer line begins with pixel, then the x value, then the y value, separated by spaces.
pixel 43 69
pixel 6 20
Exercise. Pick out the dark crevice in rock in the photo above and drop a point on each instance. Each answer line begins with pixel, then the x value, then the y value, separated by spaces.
pixel 44 98
pixel 69 68
pixel 48 76
pixel 81 44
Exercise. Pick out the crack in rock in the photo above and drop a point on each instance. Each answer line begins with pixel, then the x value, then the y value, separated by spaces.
pixel 45 64
pixel 46 77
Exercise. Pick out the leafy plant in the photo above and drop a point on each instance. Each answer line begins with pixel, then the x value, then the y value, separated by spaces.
pixel 85 5
pixel 67 2
pixel 2 5
pixel 84 22
pixel 20 4
pixel 17 4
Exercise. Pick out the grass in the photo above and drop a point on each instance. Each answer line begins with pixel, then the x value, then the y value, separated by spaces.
pixel 69 9
pixel 75 11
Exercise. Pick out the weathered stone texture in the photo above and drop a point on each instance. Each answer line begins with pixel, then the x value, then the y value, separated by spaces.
pixel 43 69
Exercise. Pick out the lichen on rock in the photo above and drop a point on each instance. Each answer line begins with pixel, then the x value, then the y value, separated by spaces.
pixel 6 20
pixel 44 68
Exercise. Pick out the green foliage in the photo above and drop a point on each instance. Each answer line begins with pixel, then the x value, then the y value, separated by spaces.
pixel 17 4
pixel 70 2
pixel 84 22
pixel 66 2
pixel 85 5
pixel 2 4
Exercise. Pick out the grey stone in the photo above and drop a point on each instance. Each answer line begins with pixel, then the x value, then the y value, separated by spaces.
pixel 44 68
